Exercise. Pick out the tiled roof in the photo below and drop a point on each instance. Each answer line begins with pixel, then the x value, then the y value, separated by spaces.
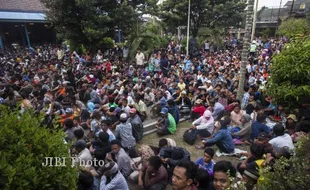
pixel 22 5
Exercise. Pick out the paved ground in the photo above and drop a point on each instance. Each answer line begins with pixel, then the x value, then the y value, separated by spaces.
pixel 152 139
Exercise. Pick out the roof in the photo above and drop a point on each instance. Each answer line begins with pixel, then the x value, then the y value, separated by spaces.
pixel 22 6
pixel 272 14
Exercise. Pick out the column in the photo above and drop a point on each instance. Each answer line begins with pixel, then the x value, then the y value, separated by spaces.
pixel 27 36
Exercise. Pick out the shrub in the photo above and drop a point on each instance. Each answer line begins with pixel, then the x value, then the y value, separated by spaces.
pixel 290 174
pixel 290 73
pixel 23 148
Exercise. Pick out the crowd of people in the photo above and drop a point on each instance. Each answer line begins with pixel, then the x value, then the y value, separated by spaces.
pixel 101 102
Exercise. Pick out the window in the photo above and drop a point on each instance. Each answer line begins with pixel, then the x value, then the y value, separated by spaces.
pixel 302 6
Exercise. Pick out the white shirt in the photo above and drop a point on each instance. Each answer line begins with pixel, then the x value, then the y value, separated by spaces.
pixel 84 158
pixel 140 58
pixel 282 141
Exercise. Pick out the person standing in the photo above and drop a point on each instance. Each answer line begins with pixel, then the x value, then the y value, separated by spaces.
pixel 140 58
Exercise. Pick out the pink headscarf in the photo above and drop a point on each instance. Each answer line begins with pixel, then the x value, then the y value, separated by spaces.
pixel 207 113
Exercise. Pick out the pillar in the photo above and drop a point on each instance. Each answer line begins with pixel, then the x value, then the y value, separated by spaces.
pixel 27 36
pixel 1 43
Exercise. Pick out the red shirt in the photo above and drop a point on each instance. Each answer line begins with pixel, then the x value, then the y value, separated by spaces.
pixel 199 109
pixel 108 66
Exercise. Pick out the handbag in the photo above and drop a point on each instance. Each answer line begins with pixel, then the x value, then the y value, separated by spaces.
pixel 190 136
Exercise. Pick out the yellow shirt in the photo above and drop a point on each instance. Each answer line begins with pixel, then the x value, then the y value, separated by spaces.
pixel 181 86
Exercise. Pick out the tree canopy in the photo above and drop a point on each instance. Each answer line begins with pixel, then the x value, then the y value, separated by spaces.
pixel 290 73
pixel 89 21
pixel 207 13
pixel 293 26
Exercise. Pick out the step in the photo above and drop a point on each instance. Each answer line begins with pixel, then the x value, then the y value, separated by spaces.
pixel 150 126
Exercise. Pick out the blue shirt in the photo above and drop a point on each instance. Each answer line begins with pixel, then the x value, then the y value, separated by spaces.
pixel 223 138
pixel 206 166
pixel 258 128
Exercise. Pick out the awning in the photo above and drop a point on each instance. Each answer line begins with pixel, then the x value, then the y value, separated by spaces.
pixel 6 16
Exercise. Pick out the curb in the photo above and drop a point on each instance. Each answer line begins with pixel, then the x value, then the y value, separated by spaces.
pixel 150 128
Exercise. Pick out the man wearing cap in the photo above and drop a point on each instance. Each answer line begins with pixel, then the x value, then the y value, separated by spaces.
pixel 167 125
pixel 136 123
pixel 123 131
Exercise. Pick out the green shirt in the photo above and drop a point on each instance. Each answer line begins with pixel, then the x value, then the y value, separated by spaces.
pixel 172 127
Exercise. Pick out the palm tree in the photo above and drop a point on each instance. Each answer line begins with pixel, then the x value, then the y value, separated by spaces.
pixel 246 45
pixel 145 36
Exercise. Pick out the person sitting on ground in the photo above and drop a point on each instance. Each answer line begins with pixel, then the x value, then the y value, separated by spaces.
pixel 258 127
pixel 222 138
pixel 112 178
pixel 123 131
pixel 223 172
pixel 245 131
pixel 204 180
pixel 165 142
pixel 122 159
pixel 198 110
pixel 174 110
pixel 236 116
pixel 263 140
pixel 136 164
pixel 281 140
pixel 255 158
pixel 184 175
pixel 216 108
pixel 206 163
pixel 140 107
pixel 84 157
pixel 204 124
pixel 184 103
pixel 167 125
pixel 85 181
pixel 137 125
pixel 250 178
pixel 171 156
pixel 153 176
pixel 102 143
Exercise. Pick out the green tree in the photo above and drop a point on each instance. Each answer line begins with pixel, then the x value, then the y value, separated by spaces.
pixel 290 174
pixel 207 13
pixel 147 37
pixel 213 35
pixel 87 22
pixel 293 26
pixel 24 146
pixel 290 73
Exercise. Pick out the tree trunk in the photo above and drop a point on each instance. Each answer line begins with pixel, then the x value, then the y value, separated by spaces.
pixel 246 46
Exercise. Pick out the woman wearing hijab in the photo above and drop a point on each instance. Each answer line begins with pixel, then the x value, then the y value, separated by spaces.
pixel 204 124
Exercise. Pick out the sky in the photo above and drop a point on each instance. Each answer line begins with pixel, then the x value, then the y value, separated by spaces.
pixel 270 3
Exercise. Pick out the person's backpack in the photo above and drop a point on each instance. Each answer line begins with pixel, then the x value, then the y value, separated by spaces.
pixel 190 136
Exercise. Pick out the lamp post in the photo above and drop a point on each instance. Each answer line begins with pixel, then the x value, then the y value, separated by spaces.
pixel 188 25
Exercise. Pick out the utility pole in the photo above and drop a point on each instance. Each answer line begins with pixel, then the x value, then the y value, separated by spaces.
pixel 188 25
pixel 245 50
pixel 254 20
pixel 275 34
pixel 292 6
